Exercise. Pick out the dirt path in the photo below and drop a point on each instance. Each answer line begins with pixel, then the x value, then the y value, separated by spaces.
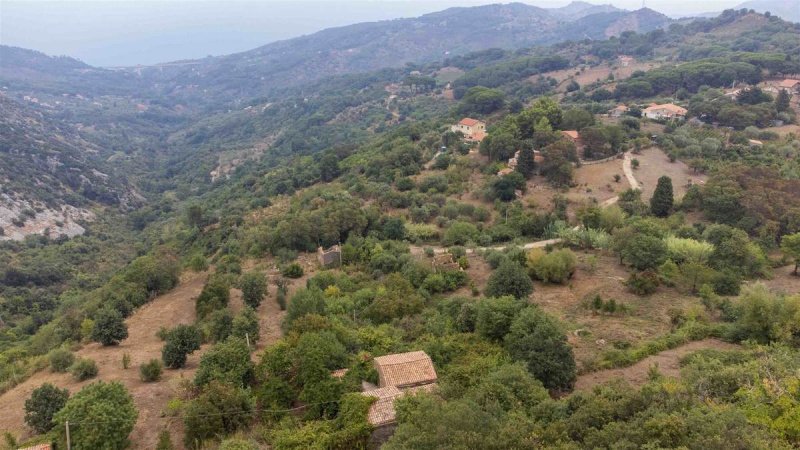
pixel 626 167
pixel 668 363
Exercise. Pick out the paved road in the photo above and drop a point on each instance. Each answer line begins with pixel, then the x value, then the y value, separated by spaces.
pixel 626 167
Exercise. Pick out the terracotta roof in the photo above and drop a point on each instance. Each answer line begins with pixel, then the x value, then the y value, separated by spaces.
pixel 469 122
pixel 572 134
pixel 673 108
pixel 788 83
pixel 382 411
pixel 405 369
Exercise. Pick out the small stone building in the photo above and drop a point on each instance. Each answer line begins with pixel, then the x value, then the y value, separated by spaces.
pixel 330 257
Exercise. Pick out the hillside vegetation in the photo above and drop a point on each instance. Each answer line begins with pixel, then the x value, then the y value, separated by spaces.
pixel 532 265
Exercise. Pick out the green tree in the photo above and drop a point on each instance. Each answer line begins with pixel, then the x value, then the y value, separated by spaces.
pixel 460 233
pixel 494 316
pixel 577 119
pixel 109 327
pixel 104 415
pixel 536 339
pixel 304 301
pixel 662 199
pixel 219 410
pixel 227 362
pixel 44 402
pixel 525 162
pixel 554 267
pixel 790 244
pixel 481 100
pixel 644 252
pixel 782 101
pixel 254 288
pixel 509 278
pixel 245 325
pixel 180 342
pixel 215 295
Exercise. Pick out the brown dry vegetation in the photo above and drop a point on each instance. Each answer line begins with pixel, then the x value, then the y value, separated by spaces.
pixel 667 362
pixel 653 163
pixel 593 74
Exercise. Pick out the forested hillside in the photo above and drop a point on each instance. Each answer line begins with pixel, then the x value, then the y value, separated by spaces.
pixel 610 263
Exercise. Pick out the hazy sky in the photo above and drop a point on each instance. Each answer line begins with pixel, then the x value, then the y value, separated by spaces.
pixel 125 32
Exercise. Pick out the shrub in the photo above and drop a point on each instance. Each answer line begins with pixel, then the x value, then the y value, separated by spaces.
pixel 245 325
pixel 219 325
pixel 60 360
pixel 509 279
pixel 293 270
pixel 44 402
pixel 164 441
pixel 109 327
pixel 228 362
pixel 83 369
pixel 126 360
pixel 181 341
pixel 536 339
pixel 254 288
pixel 494 316
pixel 221 409
pixel 643 283
pixel 151 371
pixel 554 267
pixel 215 295
pixel 105 413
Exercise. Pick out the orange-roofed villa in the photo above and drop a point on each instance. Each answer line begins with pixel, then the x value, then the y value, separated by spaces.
pixel 472 129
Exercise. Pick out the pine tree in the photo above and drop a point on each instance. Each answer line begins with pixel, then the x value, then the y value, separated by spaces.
pixel 525 162
pixel 782 101
pixel 661 202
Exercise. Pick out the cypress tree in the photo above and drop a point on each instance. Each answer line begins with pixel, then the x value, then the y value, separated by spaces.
pixel 661 202
pixel 782 101
pixel 525 163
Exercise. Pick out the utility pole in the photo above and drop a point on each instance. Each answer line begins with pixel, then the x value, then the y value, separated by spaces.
pixel 69 444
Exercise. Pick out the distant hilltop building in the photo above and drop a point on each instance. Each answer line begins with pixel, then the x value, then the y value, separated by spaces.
pixel 790 84
pixel 625 60
pixel 665 111
pixel 472 129
pixel 618 111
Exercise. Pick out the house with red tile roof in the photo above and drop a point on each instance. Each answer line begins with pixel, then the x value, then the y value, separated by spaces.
pixel 472 129
pixel 665 111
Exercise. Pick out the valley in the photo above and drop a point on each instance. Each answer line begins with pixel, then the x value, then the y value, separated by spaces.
pixel 495 227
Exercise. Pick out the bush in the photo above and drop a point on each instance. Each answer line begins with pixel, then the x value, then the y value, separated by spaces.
pixel 245 325
pixel 221 409
pixel 105 415
pixel 643 283
pixel 60 360
pixel 237 444
pixel 215 295
pixel 494 316
pixel 109 327
pixel 151 371
pixel 44 402
pixel 228 362
pixel 509 279
pixel 180 342
pixel 554 267
pixel 293 270
pixel 254 288
pixel 536 339
pixel 83 369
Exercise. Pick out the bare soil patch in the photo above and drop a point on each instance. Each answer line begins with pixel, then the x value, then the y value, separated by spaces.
pixel 653 163
pixel 594 74
pixel 591 333
pixel 668 363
